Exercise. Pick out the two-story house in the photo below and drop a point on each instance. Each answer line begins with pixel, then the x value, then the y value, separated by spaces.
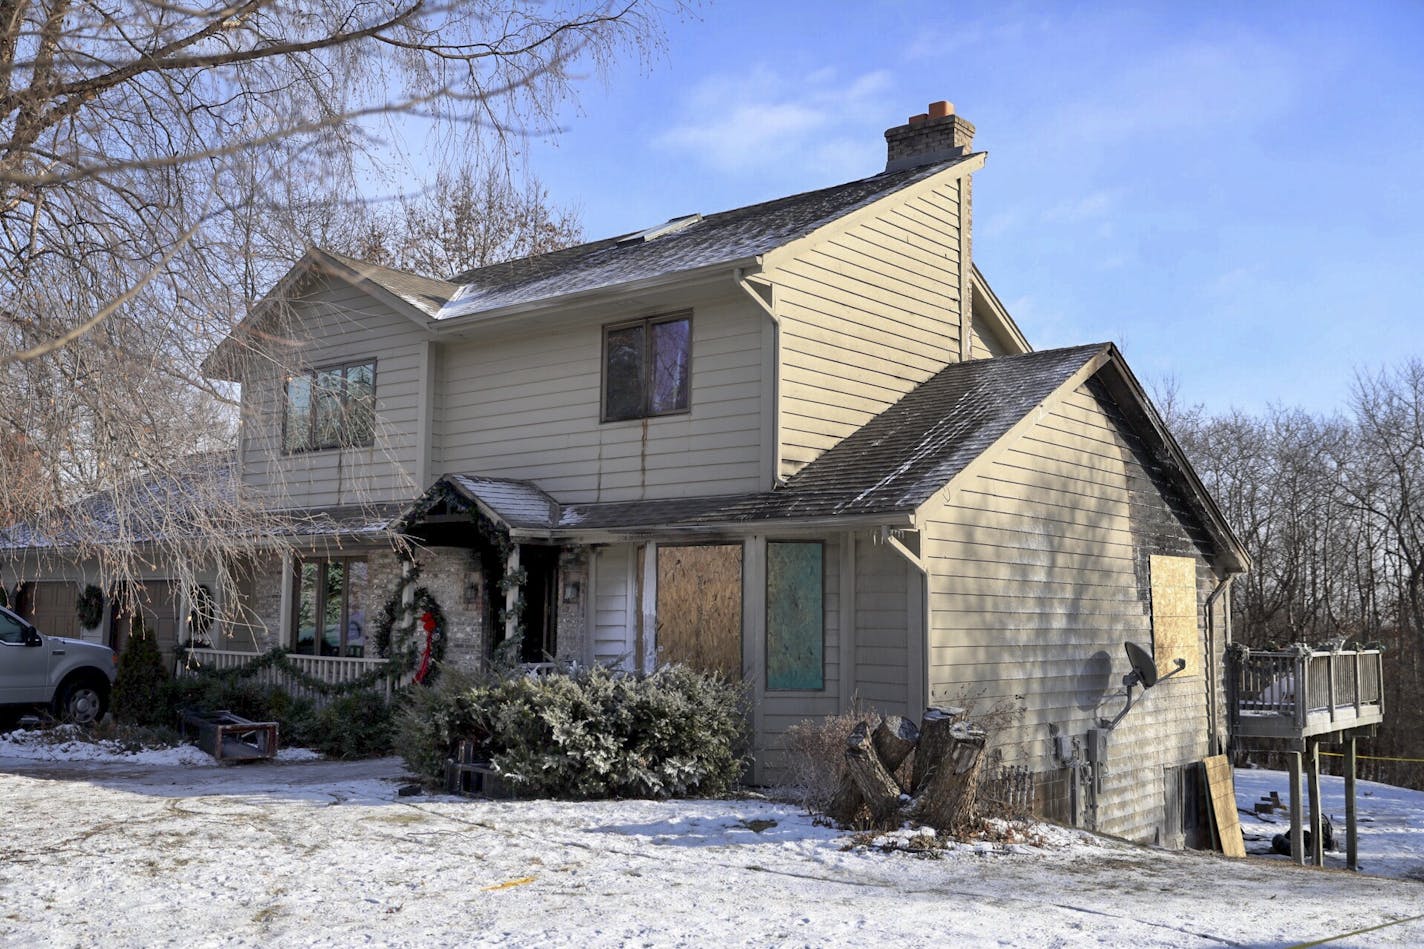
pixel 801 441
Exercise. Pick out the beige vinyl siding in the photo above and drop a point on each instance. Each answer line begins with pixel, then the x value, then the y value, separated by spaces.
pixel 615 607
pixel 337 323
pixel 529 407
pixel 1039 573
pixel 781 710
pixel 882 628
pixel 866 315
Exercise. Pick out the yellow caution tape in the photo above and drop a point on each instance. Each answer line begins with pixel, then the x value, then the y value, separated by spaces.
pixel 1358 932
pixel 509 883
pixel 1337 754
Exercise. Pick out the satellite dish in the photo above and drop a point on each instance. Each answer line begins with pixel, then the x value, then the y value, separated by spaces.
pixel 1144 667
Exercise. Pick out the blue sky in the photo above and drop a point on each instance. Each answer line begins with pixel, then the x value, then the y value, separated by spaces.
pixel 1232 192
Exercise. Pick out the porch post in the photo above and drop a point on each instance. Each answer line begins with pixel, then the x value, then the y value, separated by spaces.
pixel 511 595
pixel 1352 838
pixel 1297 838
pixel 284 622
pixel 1317 839
pixel 649 608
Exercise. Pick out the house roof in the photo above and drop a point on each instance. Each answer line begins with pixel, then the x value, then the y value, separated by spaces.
pixel 197 499
pixel 426 294
pixel 682 246
pixel 141 509
pixel 686 244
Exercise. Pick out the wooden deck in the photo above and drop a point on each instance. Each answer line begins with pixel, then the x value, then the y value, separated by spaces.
pixel 1300 694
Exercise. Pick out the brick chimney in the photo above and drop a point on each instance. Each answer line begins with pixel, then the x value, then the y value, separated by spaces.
pixel 933 136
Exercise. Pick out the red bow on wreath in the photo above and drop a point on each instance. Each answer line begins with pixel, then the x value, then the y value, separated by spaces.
pixel 427 620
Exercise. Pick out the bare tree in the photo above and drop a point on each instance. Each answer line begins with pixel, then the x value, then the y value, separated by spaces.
pixel 468 218
pixel 159 166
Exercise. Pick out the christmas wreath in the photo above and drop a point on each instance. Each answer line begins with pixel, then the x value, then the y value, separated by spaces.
pixel 413 638
pixel 90 606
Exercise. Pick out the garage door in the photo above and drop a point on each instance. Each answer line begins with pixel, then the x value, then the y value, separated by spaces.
pixel 158 600
pixel 53 610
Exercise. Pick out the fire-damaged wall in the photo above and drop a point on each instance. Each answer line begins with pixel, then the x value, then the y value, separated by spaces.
pixel 1040 570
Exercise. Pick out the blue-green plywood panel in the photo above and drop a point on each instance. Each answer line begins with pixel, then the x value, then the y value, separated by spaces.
pixel 795 616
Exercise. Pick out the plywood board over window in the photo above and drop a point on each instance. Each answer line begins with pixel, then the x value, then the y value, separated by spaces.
pixel 795 616
pixel 1174 614
pixel 700 607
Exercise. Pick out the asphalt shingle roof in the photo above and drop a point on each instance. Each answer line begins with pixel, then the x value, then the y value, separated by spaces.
pixel 917 446
pixel 724 237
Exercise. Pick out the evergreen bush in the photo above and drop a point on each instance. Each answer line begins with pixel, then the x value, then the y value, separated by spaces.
pixel 141 689
pixel 589 733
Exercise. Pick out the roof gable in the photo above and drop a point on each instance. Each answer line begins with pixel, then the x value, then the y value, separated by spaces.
pixel 416 298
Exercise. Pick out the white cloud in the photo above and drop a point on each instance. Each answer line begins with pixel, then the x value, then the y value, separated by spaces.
pixel 763 119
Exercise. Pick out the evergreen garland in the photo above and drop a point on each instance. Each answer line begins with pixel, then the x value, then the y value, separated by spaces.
pixel 90 606
pixel 280 659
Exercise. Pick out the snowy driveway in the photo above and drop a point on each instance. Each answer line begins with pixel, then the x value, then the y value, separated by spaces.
pixel 325 853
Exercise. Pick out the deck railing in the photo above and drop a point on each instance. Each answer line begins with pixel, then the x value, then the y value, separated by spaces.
pixel 1298 692
pixel 331 669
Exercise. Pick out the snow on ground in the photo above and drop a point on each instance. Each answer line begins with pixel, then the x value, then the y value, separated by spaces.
pixel 326 853
pixel 69 743
pixel 1391 822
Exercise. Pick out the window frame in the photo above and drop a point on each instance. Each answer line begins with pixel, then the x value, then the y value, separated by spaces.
pixel 322 564
pixel 646 324
pixel 310 376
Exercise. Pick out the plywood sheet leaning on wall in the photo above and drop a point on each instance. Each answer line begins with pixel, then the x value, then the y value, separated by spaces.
pixel 700 607
pixel 1221 794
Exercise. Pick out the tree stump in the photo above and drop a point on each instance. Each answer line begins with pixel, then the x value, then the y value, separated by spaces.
pixel 945 800
pixel 935 741
pixel 894 738
pixel 877 788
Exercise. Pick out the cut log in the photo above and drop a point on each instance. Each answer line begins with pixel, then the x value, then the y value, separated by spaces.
pixel 845 807
pixel 946 799
pixel 894 738
pixel 879 791
pixel 935 741
pixel 848 803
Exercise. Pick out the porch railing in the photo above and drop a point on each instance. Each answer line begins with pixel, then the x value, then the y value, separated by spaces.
pixel 330 669
pixel 1299 692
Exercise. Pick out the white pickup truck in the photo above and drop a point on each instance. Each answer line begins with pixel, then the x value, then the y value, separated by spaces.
pixel 70 678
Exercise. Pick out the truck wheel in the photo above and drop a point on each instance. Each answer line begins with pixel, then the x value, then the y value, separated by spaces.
pixel 81 702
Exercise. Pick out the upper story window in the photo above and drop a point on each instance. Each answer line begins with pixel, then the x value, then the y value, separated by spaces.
pixel 332 407
pixel 647 367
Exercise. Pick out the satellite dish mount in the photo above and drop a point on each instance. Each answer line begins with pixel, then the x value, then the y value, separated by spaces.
pixel 1144 673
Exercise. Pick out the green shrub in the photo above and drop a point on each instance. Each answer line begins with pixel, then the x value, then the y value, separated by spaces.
pixel 586 734
pixel 140 692
pixel 357 725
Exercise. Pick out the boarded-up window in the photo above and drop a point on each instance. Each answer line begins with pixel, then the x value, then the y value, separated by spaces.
pixel 795 616
pixel 700 607
pixel 1174 614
